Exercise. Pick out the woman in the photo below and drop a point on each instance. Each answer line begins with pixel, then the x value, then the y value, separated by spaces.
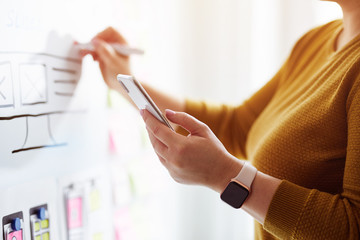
pixel 301 131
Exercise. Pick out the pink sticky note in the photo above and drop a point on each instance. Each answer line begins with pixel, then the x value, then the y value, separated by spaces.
pixel 16 235
pixel 112 145
pixel 124 228
pixel 74 213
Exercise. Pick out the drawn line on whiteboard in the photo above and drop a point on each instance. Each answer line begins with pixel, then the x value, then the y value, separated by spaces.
pixel 5 106
pixel 2 95
pixel 34 103
pixel 41 114
pixel 64 70
pixel 75 60
pixel 49 129
pixel 39 147
pixel 27 132
pixel 66 81
pixel 64 94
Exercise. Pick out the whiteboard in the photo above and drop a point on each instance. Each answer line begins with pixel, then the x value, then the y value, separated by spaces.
pixel 53 124
pixel 49 112
pixel 53 116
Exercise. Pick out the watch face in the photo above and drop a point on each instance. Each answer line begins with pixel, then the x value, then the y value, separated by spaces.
pixel 234 195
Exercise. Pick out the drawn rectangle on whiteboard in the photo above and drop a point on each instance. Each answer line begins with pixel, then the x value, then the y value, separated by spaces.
pixel 6 86
pixel 33 84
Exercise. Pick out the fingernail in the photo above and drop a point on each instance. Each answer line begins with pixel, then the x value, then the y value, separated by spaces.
pixel 169 112
pixel 142 112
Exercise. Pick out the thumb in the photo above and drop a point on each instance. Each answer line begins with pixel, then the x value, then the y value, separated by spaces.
pixel 191 124
pixel 103 50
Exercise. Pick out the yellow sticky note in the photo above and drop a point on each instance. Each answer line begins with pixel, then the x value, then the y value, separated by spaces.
pixel 38 237
pixel 45 223
pixel 95 202
pixel 46 236
pixel 37 226
pixel 98 236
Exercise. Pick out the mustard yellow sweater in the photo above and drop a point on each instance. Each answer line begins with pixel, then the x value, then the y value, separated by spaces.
pixel 303 127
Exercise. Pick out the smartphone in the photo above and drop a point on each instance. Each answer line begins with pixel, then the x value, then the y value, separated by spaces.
pixel 140 97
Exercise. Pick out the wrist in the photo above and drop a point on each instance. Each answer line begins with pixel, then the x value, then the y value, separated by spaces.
pixel 231 169
pixel 239 188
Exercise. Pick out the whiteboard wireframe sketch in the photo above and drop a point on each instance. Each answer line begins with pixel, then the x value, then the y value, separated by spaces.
pixel 34 87
pixel 6 85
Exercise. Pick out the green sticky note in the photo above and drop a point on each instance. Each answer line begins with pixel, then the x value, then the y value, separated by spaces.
pixel 45 223
pixel 46 236
pixel 109 100
pixel 37 226
pixel 98 236
pixel 95 201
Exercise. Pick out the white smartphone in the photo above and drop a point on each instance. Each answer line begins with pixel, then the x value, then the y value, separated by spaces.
pixel 140 97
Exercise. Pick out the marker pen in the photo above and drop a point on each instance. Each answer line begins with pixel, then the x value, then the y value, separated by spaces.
pixel 119 48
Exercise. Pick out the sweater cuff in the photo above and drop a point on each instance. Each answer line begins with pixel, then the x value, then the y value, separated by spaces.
pixel 285 209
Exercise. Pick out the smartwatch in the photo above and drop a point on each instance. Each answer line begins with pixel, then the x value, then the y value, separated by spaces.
pixel 239 187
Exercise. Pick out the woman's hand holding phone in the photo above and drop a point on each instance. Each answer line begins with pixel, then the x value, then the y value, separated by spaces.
pixel 140 97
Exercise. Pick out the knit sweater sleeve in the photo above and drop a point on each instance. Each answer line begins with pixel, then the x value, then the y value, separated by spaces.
pixel 299 213
pixel 231 124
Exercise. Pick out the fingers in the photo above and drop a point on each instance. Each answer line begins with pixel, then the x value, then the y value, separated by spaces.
pixel 162 132
pixel 110 34
pixel 103 50
pixel 84 52
pixel 186 121
pixel 160 149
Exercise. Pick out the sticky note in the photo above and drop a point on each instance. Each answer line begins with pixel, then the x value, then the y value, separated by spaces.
pixel 37 226
pixel 38 237
pixel 45 223
pixel 15 235
pixel 45 236
pixel 74 212
pixel 109 101
pixel 95 202
pixel 112 145
pixel 97 236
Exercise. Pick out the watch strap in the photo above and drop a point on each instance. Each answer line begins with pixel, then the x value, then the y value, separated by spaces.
pixel 246 175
